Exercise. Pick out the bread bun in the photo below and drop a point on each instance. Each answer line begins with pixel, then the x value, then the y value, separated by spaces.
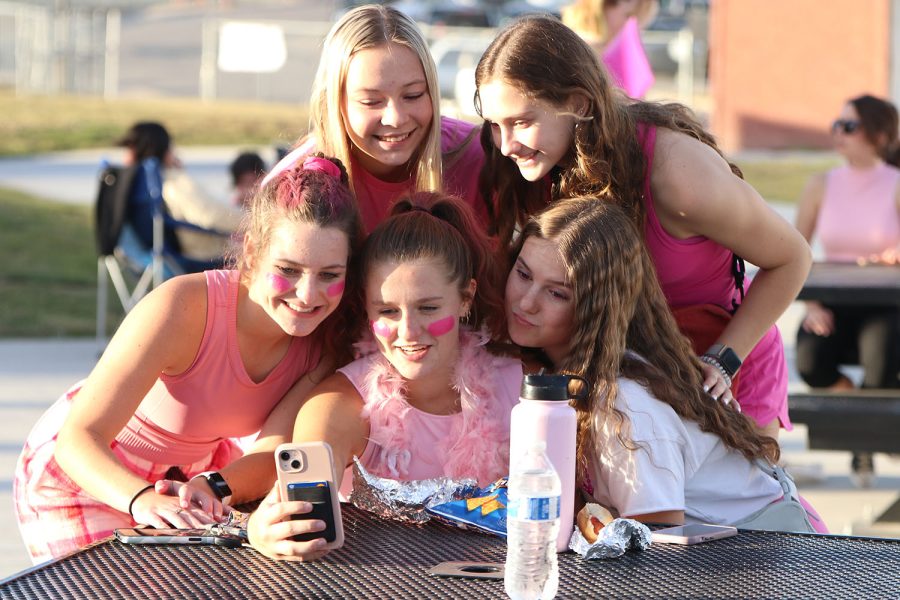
pixel 591 519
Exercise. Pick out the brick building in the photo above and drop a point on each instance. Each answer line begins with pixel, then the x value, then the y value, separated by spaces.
pixel 781 69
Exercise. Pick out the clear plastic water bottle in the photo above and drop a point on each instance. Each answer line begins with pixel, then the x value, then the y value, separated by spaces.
pixel 532 525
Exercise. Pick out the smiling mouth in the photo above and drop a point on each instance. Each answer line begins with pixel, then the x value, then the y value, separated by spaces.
pixel 302 311
pixel 413 352
pixel 394 138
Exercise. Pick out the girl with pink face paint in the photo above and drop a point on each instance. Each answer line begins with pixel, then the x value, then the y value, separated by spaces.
pixel 430 397
pixel 202 360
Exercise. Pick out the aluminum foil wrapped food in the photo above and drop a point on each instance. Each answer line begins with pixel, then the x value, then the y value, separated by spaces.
pixel 613 540
pixel 405 500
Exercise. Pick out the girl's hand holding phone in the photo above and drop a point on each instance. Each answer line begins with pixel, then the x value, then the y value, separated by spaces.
pixel 271 528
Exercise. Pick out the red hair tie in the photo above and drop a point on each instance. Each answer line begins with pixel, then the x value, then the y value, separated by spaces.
pixel 317 163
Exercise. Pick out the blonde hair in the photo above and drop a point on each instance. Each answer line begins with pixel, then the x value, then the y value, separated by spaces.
pixel 365 27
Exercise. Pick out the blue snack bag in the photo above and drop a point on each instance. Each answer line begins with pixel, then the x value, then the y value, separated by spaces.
pixel 485 511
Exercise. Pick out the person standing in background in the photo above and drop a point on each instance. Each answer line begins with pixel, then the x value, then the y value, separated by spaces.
pixel 612 28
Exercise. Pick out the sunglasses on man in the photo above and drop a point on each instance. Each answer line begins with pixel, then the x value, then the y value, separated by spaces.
pixel 845 125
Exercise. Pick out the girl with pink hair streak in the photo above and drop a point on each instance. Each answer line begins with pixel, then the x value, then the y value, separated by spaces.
pixel 201 360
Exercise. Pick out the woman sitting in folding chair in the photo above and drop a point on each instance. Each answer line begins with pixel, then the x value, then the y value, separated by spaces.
pixel 200 360
pixel 196 227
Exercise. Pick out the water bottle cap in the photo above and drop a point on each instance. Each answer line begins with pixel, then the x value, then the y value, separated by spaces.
pixel 551 387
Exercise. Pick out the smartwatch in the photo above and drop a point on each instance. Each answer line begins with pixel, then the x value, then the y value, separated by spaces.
pixel 725 357
pixel 218 485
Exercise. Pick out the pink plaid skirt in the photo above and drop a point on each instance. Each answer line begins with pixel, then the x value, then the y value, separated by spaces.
pixel 55 515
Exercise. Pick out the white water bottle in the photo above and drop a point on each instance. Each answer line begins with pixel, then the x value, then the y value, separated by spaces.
pixel 532 525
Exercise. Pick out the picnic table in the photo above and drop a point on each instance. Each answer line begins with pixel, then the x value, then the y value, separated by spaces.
pixel 388 559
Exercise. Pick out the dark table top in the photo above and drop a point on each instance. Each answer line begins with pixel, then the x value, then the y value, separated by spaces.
pixel 849 284
pixel 390 560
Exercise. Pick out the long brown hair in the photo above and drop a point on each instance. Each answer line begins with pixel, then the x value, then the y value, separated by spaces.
pixel 622 326
pixel 437 226
pixel 547 61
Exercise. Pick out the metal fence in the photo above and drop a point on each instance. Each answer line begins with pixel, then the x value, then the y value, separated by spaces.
pixel 58 49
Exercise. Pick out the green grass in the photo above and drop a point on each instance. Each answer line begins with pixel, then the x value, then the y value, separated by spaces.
pixel 35 124
pixel 48 275
pixel 783 179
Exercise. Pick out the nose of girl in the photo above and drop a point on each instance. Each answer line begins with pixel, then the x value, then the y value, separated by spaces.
pixel 305 289
pixel 393 115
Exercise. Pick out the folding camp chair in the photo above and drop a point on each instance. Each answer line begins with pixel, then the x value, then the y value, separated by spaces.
pixel 123 252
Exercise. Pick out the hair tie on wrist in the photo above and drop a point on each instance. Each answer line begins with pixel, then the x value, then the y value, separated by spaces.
pixel 317 163
pixel 135 497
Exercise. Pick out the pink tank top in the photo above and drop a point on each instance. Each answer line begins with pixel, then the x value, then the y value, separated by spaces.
pixel 695 270
pixel 859 214
pixel 698 271
pixel 463 158
pixel 183 418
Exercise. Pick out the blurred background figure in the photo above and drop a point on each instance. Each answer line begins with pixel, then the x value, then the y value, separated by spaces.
pixel 612 27
pixel 854 210
pixel 185 201
pixel 246 171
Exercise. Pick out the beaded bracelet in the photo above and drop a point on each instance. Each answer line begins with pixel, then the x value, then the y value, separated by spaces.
pixel 135 497
pixel 712 360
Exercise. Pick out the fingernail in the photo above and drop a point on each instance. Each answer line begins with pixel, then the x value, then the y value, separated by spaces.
pixel 705 388
pixel 320 525
pixel 320 543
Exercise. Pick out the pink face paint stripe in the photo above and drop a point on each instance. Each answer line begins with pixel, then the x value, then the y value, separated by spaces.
pixel 278 283
pixel 380 328
pixel 442 326
pixel 335 289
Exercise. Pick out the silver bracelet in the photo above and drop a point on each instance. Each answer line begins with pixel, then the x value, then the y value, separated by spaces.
pixel 711 360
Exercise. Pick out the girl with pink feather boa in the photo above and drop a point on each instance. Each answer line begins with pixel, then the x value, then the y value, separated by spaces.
pixel 429 397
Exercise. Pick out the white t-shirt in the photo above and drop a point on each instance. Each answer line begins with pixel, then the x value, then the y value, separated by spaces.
pixel 685 468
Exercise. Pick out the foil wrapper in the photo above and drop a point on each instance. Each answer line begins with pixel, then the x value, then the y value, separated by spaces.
pixel 235 523
pixel 614 539
pixel 405 500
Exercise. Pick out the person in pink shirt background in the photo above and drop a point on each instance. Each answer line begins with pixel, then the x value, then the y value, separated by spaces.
pixel 430 396
pixel 553 123
pixel 612 28
pixel 854 210
pixel 201 360
pixel 375 105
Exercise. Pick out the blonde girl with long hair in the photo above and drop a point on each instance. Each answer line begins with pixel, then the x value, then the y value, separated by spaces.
pixel 375 105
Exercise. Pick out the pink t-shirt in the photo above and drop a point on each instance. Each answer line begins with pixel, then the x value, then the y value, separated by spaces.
pixel 697 270
pixel 183 418
pixel 859 215
pixel 463 158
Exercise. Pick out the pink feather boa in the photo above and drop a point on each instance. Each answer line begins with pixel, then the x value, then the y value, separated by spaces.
pixel 477 446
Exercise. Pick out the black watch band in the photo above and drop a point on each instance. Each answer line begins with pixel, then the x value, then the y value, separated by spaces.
pixel 218 485
pixel 725 357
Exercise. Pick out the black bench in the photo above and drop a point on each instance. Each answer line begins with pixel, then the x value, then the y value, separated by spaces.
pixel 854 420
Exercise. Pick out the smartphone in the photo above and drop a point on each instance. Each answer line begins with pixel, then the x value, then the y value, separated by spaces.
pixel 148 535
pixel 692 534
pixel 306 472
